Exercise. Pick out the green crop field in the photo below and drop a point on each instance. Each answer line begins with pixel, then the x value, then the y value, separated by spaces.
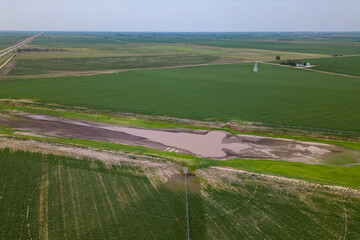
pixel 346 65
pixel 275 95
pixel 48 196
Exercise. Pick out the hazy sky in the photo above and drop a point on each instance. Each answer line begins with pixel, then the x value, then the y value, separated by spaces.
pixel 180 15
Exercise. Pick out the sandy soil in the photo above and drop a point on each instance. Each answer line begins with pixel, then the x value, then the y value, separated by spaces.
pixel 108 157
pixel 208 144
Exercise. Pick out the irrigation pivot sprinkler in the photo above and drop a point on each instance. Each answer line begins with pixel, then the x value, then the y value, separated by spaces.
pixel 187 206
pixel 255 67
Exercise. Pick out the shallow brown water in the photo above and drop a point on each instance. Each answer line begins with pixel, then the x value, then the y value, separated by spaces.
pixel 208 144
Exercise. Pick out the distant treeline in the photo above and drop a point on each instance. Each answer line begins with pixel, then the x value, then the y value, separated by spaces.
pixel 40 50
pixel 292 62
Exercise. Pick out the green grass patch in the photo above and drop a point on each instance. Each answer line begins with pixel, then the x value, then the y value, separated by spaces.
pixel 333 175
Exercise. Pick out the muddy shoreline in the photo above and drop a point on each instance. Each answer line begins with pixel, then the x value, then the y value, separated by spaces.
pixel 208 144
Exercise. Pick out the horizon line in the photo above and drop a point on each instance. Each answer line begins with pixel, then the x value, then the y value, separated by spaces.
pixel 114 31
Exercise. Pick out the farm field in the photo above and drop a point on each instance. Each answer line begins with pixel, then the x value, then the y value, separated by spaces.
pixel 274 95
pixel 8 39
pixel 60 52
pixel 346 65
pixel 97 128
pixel 347 44
pixel 54 65
pixel 134 202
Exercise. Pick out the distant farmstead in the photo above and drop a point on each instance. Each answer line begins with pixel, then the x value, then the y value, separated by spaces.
pixel 295 63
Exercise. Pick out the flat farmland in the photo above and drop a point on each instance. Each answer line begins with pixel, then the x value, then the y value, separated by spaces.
pixel 345 65
pixel 60 197
pixel 346 44
pixel 302 47
pixel 54 53
pixel 60 65
pixel 275 94
pixel 8 39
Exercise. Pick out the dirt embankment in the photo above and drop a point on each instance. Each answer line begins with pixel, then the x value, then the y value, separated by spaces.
pixel 108 157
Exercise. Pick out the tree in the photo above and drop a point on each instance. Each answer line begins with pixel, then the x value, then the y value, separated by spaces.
pixel 277 57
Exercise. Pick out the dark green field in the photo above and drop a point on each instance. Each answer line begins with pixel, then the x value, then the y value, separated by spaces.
pixel 346 65
pixel 274 95
pixel 47 196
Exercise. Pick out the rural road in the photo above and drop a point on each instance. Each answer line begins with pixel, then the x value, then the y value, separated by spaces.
pixel 20 44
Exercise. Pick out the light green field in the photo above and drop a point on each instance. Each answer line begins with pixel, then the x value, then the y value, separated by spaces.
pixel 64 198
